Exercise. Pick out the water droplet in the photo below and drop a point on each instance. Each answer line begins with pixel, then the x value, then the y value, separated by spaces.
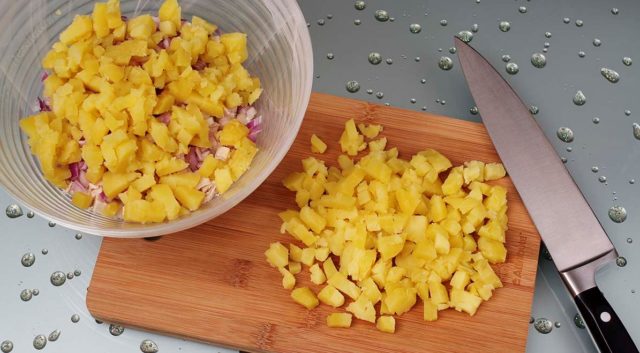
pixel 375 58
pixel 308 24
pixel 321 22
pixel 329 16
pixel 547 34
pixel 544 50
pixel 565 134
pixel 596 120
pixel 615 10
pixel 424 108
pixel 595 169
pixel 531 320
pixel 627 61
pixel 445 63
pixel 618 214
pixel 148 346
pixel 443 23
pixel 512 68
pixel 417 59
pixel 474 110
pixel 543 325
pixel 475 27
pixel 546 44
pixel 78 236
pixel 579 23
pixel 627 112
pixel 6 346
pixel 14 211
pixel 632 181
pixel 596 42
pixel 28 259
pixel 389 61
pixel 563 159
pixel 75 318
pixel 360 5
pixel 35 292
pixel 453 50
pixel 602 178
pixel 54 335
pixel 423 81
pixel 52 224
pixel 357 22
pixel 381 15
pixel 369 91
pixel 465 36
pixel 391 19
pixel 70 275
pixel 506 58
pixel 352 86
pixel 412 100
pixel 58 278
pixel 612 76
pixel 621 261
pixel 569 149
pixel 415 28
pixel 566 20
pixel 26 295
pixel 443 102
pixel 557 324
pixel 636 130
pixel 577 320
pixel 99 322
pixel 629 240
pixel 45 251
pixel 330 56
pixel 522 9
pixel 579 98
pixel 30 214
pixel 581 54
pixel 379 95
pixel 534 109
pixel 538 60
pixel 39 342
pixel 504 26
pixel 387 104
pixel 116 330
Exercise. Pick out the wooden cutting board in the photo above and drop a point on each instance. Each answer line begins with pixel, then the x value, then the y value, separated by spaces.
pixel 212 283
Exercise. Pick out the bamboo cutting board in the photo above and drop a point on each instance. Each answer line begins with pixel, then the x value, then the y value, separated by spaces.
pixel 212 283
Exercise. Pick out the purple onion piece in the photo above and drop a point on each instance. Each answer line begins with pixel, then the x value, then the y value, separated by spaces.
pixel 76 187
pixel 74 168
pixel 103 197
pixel 255 123
pixel 44 107
pixel 192 158
pixel 253 135
pixel 199 65
pixel 165 118
pixel 82 178
pixel 44 76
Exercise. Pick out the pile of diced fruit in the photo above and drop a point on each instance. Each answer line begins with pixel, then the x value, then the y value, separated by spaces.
pixel 145 118
pixel 387 232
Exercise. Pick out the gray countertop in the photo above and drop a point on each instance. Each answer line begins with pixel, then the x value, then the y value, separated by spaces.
pixel 341 50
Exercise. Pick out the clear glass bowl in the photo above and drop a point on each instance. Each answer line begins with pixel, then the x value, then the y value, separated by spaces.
pixel 279 54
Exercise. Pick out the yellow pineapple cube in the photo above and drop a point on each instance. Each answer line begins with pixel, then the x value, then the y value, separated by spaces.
pixel 371 131
pixel 312 219
pixel 329 268
pixel 305 297
pixel 82 200
pixel 460 279
pixel 277 255
pixel 141 27
pixel 494 171
pixel 370 290
pixel 236 47
pixel 163 193
pixel 340 320
pixel 170 166
pixel 80 28
pixel 462 300
pixel 143 211
pixel 115 183
pixel 386 324
pixel 188 180
pixel 288 280
pixel 308 256
pixel 223 179
pixel 294 267
pixel 189 198
pixel 473 171
pixel 437 208
pixel 317 276
pixel 430 310
pixel 400 300
pixel 340 282
pixel 389 246
pixel 492 250
pixel 362 309
pixel 317 145
pixel 170 11
pixel 331 296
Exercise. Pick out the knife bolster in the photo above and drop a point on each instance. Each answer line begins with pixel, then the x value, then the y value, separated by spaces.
pixel 583 277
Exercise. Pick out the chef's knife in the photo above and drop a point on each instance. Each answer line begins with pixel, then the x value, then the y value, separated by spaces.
pixel 571 232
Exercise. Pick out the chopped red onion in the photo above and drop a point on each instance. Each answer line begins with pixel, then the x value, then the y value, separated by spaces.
pixel 82 142
pixel 74 168
pixel 82 178
pixel 75 186
pixel 83 166
pixel 165 118
pixel 225 120
pixel 199 65
pixel 255 124
pixel 103 197
pixel 44 106
pixel 44 76
pixel 192 158
pixel 253 135
pixel 165 43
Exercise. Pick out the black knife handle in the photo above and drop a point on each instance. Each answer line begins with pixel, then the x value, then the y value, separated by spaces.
pixel 604 324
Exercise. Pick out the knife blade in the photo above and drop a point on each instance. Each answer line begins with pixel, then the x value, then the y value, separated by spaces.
pixel 567 225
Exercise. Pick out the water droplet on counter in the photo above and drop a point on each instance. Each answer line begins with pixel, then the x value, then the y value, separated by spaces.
pixel 566 20
pixel 30 214
pixel 70 275
pixel 148 346
pixel 621 261
pixel 415 28
pixel 538 60
pixel 579 23
pixel 379 95
pixel 54 335
pixel 392 19
pixel 443 23
pixel 618 214
pixel 569 149
pixel 424 108
pixel 546 44
pixel 563 159
pixel 565 134
pixel 412 100
pixel 417 59
pixel 28 259
pixel 374 58
pixel 369 91
pixel 39 342
pixel 116 330
pixel 557 324
pixel 77 273
pixel 614 10
pixel 522 9
pixel 6 346
pixel 512 68
pixel 26 295
pixel 381 15
pixel 506 58
pixel 531 320
pixel 596 42
pixel 632 181
pixel 577 320
pixel 581 54
pixel 579 98
pixel 58 278
pixel 45 251
pixel 423 81
pixel 465 36
pixel 611 75
pixel 453 50
pixel 534 109
pixel 35 292
pixel 14 211
pixel 544 50
pixel 52 224
pixel 329 16
pixel 78 236
pixel 443 102
pixel 636 130
pixel 627 61
pixel 547 34
pixel 474 110
pixel 602 178
pixel 352 86
pixel 627 112
pixel 360 5
pixel 330 56
pixel 321 22
pixel 595 169
pixel 387 104
pixel 389 61
pixel 543 325
pixel 475 28
pixel 629 240
pixel 504 26
pixel 75 318
pixel 596 120
pixel 445 63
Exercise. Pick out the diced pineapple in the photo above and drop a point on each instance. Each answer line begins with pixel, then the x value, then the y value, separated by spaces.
pixel 277 255
pixel 307 256
pixel 462 300
pixel 82 200
pixel 223 179
pixel 331 296
pixel 317 145
pixel 294 267
pixel 492 250
pixel 340 282
pixel 170 11
pixel 494 171
pixel 400 300
pixel 80 28
pixel 430 310
pixel 317 275
pixel 143 211
pixel 288 280
pixel 163 193
pixel 312 219
pixel 362 309
pixel 305 297
pixel 114 183
pixel 386 324
pixel 340 320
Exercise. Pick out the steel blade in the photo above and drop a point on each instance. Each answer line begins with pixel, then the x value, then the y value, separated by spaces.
pixel 565 221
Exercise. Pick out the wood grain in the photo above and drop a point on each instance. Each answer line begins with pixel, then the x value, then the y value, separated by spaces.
pixel 212 283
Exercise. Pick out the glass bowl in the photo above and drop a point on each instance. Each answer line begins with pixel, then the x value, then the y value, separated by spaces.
pixel 279 54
